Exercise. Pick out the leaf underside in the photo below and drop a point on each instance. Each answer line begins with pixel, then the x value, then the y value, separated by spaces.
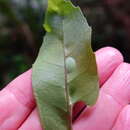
pixel 65 71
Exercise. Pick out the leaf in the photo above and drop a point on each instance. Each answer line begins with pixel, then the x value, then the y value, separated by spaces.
pixel 65 71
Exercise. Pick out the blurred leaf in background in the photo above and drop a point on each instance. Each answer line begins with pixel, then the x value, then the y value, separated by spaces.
pixel 21 34
pixel 21 30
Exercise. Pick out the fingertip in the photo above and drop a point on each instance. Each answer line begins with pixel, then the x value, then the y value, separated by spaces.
pixel 108 59
pixel 111 51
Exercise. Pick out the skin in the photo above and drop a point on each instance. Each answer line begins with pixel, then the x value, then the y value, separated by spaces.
pixel 111 112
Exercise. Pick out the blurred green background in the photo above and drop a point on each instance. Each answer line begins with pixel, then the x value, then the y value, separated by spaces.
pixel 21 31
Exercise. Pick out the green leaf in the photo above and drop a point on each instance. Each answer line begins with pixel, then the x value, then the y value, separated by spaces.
pixel 65 71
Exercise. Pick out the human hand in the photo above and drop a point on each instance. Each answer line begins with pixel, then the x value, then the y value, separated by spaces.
pixel 111 112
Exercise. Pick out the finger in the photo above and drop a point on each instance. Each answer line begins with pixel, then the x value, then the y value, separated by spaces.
pixel 123 121
pixel 120 81
pixel 32 122
pixel 108 59
pixel 114 95
pixel 16 102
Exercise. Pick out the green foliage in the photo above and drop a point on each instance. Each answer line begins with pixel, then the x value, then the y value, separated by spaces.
pixel 65 71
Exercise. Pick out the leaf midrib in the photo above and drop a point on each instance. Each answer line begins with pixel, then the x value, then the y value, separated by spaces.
pixel 68 101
